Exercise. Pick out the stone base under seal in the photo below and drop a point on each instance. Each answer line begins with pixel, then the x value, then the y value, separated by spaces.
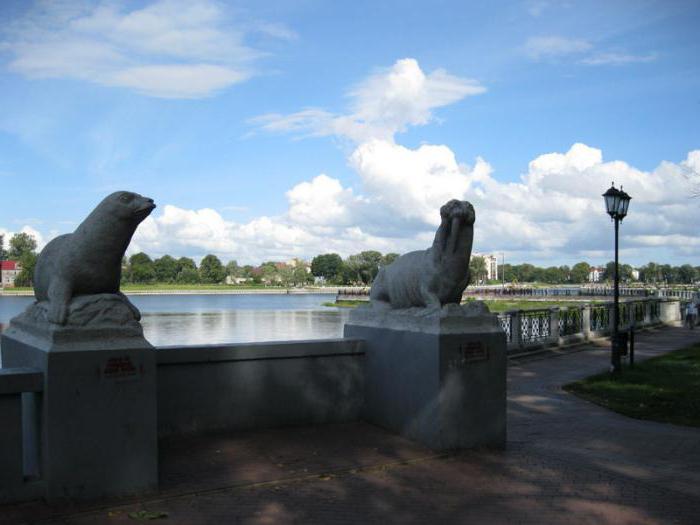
pixel 98 435
pixel 437 377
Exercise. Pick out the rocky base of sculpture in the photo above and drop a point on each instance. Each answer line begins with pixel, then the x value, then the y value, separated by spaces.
pixel 106 318
pixel 451 318
pixel 435 376
pixel 98 430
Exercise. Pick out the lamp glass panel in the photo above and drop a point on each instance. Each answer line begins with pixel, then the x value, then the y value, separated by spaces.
pixel 624 204
pixel 612 199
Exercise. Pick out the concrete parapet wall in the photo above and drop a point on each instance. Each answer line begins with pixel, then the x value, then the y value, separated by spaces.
pixel 254 385
pixel 16 446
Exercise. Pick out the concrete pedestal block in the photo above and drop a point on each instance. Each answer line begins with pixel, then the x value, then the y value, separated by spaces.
pixel 99 413
pixel 438 379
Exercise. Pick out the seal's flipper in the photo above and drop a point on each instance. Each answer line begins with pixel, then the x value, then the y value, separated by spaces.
pixel 59 295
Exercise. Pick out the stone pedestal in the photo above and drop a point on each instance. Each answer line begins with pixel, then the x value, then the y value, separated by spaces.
pixel 438 378
pixel 98 407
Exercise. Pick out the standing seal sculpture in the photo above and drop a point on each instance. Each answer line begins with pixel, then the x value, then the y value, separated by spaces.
pixel 433 277
pixel 89 260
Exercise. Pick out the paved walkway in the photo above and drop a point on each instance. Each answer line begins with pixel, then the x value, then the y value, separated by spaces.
pixel 567 461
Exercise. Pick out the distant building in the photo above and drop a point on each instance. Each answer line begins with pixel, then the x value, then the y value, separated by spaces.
pixel 236 280
pixel 491 265
pixel 9 270
pixel 635 274
pixel 595 274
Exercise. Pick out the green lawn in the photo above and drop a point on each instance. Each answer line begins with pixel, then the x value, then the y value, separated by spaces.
pixel 346 303
pixel 665 388
pixel 494 305
pixel 498 305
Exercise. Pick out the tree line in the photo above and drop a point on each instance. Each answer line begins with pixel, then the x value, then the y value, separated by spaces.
pixel 650 273
pixel 331 268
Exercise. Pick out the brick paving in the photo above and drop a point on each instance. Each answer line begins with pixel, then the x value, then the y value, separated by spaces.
pixel 567 461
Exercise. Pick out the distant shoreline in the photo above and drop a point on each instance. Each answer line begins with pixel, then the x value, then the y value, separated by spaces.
pixel 202 291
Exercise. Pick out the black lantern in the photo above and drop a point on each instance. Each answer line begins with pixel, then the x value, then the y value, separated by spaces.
pixel 616 204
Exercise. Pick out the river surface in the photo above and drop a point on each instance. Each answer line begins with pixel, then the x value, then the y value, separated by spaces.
pixel 210 319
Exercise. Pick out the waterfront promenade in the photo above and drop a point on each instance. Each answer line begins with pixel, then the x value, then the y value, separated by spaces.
pixel 567 461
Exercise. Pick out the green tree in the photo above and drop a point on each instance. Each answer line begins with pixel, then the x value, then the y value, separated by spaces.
pixel 247 271
pixel 329 266
pixel 507 273
pixel 185 262
pixel 166 269
pixel 300 275
pixel 579 272
pixel 477 269
pixel 187 275
pixel 527 273
pixel 269 272
pixel 142 273
pixel 233 270
pixel 362 267
pixel 552 275
pixel 389 258
pixel 285 274
pixel 20 245
pixel 26 275
pixel 3 254
pixel 687 274
pixel 625 272
pixel 140 269
pixel 211 270
pixel 565 273
pixel 140 258
pixel 650 273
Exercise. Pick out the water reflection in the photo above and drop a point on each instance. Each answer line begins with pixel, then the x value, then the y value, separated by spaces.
pixel 210 319
pixel 242 326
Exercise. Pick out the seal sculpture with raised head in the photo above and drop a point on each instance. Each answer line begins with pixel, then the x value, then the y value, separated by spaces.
pixel 89 260
pixel 436 276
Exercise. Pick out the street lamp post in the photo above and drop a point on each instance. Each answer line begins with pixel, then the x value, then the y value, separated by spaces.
pixel 616 203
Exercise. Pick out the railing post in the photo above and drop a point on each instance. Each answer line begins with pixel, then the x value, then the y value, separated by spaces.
pixel 647 312
pixel 515 337
pixel 11 470
pixel 586 321
pixel 554 325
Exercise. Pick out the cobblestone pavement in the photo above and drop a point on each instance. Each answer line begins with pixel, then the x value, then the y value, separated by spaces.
pixel 567 461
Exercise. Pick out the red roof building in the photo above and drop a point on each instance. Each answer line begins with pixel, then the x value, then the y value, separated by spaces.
pixel 8 265
pixel 8 272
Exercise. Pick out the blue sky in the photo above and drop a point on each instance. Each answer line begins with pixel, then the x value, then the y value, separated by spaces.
pixel 296 128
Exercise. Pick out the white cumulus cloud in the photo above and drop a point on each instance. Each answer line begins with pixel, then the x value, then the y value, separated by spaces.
pixel 552 214
pixel 168 49
pixel 382 105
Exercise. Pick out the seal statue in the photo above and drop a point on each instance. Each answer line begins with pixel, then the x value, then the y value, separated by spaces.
pixel 436 276
pixel 89 260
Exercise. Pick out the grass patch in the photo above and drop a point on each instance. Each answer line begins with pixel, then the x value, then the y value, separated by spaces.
pixel 499 305
pixel 16 289
pixel 346 303
pixel 664 388
pixel 495 306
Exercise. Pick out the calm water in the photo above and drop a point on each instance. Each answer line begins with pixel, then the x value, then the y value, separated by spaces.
pixel 209 319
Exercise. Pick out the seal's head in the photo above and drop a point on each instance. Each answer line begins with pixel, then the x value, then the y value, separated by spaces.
pixel 128 206
pixel 461 210
pixel 456 215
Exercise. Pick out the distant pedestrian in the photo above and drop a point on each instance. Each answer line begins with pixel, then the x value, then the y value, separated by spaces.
pixel 691 315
